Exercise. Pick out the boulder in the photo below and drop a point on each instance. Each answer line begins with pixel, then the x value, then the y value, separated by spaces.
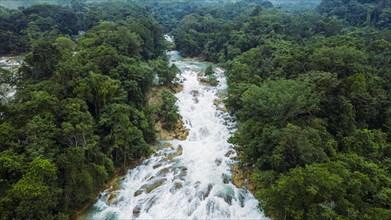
pixel 163 172
pixel 136 210
pixel 238 177
pixel 138 192
pixel 229 153
pixel 111 198
pixel 195 93
pixel 176 88
pixel 154 185
pixel 217 102
pixel 218 161
pixel 179 132
pixel 178 185
pixel 177 153
pixel 182 173
pixel 157 165
pixel 226 178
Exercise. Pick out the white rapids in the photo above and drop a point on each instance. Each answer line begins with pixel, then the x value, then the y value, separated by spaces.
pixel 195 184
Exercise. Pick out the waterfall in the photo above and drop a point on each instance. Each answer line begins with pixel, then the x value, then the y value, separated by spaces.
pixel 189 179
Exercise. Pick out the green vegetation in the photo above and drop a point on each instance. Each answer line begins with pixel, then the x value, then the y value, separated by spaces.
pixel 373 13
pixel 169 111
pixel 211 77
pixel 209 70
pixel 310 92
pixel 19 29
pixel 79 115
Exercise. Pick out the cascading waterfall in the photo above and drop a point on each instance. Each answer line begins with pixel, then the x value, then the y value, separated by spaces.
pixel 190 179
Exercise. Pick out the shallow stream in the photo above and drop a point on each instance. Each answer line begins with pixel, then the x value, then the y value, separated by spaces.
pixel 189 179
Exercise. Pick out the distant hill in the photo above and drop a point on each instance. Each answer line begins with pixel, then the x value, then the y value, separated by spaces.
pixel 15 4
pixel 359 13
pixel 296 5
pixel 292 5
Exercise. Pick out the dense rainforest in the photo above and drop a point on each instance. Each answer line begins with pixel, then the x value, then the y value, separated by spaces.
pixel 79 115
pixel 310 91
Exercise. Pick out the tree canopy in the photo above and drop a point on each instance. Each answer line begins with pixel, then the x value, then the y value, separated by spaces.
pixel 79 115
pixel 310 90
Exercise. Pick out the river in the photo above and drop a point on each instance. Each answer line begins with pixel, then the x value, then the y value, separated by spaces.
pixel 190 179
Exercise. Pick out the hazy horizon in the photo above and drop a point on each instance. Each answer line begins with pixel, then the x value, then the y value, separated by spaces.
pixel 15 4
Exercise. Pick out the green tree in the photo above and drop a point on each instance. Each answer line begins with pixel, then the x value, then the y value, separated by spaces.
pixel 278 102
pixel 78 125
pixel 35 195
pixel 78 186
pixel 65 45
pixel 165 73
pixel 42 60
pixel 169 111
pixel 97 90
pixel 125 141
pixel 8 136
pixel 209 70
pixel 343 60
pixel 369 143
pixel 12 167
pixel 329 190
pixel 41 137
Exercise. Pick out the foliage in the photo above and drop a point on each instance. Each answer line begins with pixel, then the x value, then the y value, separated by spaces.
pixel 349 188
pixel 169 111
pixel 35 195
pixel 80 108
pixel 166 74
pixel 209 70
pixel 376 13
pixel 278 101
pixel 311 94
pixel 21 28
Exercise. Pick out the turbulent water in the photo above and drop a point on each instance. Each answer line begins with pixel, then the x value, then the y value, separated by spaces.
pixel 195 183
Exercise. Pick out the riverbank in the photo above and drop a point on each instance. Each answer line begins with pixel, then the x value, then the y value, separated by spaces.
pixel 154 97
pixel 111 185
pixel 188 178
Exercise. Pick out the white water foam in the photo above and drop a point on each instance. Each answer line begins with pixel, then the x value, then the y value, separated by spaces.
pixel 194 185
